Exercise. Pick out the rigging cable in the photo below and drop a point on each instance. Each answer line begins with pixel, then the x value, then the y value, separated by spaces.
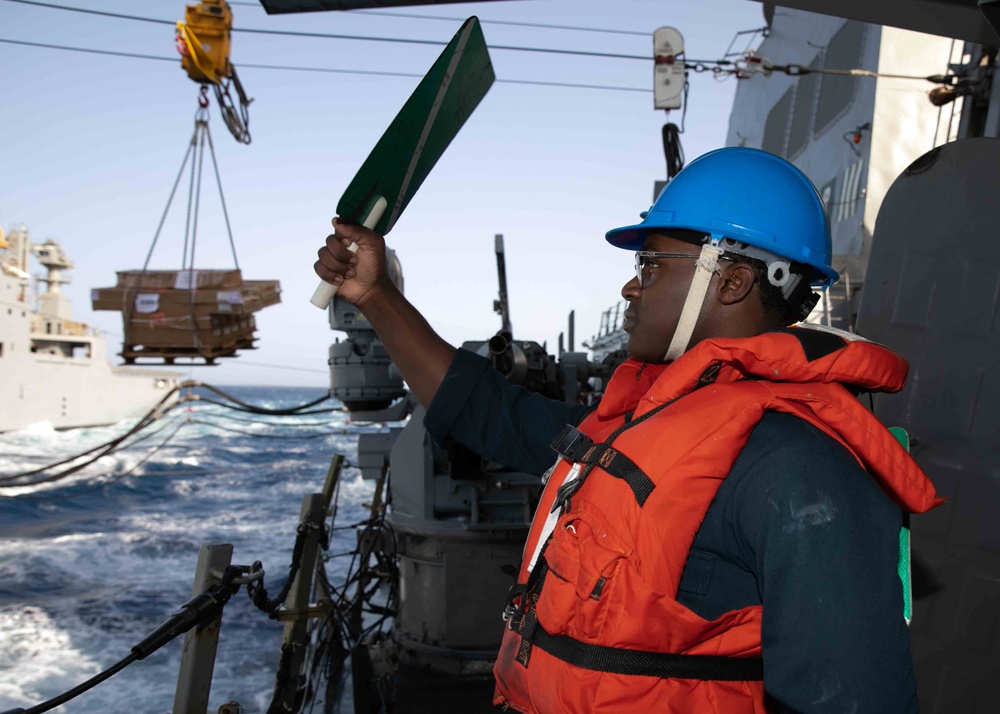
pixel 197 398
pixel 512 23
pixel 114 478
pixel 332 36
pixel 739 68
pixel 256 590
pixel 241 432
pixel 231 417
pixel 329 70
pixel 261 410
pixel 79 689
pixel 158 411
pixel 202 608
pixel 151 416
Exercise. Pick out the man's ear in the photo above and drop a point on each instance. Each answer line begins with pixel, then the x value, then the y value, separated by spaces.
pixel 735 283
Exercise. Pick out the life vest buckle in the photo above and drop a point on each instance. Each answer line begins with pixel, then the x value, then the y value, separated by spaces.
pixel 571 444
pixel 511 612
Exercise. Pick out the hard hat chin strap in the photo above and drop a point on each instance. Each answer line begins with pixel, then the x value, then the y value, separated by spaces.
pixel 707 266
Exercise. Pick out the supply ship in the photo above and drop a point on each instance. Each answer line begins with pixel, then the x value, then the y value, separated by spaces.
pixel 57 370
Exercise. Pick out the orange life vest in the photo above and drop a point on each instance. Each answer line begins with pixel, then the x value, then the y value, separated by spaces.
pixel 595 625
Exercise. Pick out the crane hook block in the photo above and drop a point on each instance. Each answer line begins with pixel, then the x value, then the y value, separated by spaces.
pixel 203 40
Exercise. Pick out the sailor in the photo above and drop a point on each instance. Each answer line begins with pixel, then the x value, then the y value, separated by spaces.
pixel 722 532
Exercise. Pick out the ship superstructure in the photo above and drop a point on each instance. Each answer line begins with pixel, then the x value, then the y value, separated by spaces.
pixel 56 369
pixel 853 112
pixel 898 130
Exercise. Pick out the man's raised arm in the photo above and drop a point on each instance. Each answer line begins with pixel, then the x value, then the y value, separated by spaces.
pixel 363 280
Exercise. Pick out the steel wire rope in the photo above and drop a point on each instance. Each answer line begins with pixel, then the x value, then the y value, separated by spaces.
pixel 238 363
pixel 110 480
pixel 510 23
pixel 513 23
pixel 198 118
pixel 200 129
pixel 331 36
pixel 128 307
pixel 694 64
pixel 257 411
pixel 231 417
pixel 143 422
pixel 328 70
pixel 290 411
pixel 180 472
pixel 222 197
pixel 317 435
pixel 114 447
pixel 313 370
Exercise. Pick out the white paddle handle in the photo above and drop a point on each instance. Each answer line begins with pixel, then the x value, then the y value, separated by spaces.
pixel 325 291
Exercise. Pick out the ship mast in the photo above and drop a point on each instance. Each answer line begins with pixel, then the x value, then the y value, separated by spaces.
pixel 53 303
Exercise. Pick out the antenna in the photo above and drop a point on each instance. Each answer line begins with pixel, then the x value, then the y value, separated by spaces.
pixel 501 306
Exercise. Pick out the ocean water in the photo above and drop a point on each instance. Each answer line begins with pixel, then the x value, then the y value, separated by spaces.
pixel 91 564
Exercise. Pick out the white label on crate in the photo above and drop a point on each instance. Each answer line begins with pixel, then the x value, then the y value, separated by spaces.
pixel 185 280
pixel 224 308
pixel 233 297
pixel 148 302
pixel 95 295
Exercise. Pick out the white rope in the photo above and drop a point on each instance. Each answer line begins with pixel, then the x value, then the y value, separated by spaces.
pixel 707 266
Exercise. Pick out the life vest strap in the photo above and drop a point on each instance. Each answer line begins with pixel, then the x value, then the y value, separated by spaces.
pixel 576 447
pixel 620 466
pixel 649 664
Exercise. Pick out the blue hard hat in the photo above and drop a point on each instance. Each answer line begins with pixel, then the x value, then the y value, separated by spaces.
pixel 747 195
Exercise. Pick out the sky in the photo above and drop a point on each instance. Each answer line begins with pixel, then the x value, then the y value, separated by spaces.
pixel 91 145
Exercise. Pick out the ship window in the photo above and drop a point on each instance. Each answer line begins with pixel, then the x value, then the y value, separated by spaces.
pixel 837 91
pixel 802 116
pixel 48 328
pixel 1 349
pixel 776 126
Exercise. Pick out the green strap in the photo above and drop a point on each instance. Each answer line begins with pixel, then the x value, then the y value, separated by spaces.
pixel 903 565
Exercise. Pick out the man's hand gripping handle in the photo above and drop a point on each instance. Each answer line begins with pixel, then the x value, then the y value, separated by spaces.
pixel 325 291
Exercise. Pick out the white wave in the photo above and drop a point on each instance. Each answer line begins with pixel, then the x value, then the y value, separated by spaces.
pixel 34 652
pixel 94 594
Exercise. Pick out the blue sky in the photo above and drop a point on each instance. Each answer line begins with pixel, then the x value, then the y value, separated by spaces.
pixel 91 146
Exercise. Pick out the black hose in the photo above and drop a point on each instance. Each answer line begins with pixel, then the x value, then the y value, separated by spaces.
pixel 202 607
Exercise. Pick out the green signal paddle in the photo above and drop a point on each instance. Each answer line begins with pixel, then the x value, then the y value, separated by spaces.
pixel 416 138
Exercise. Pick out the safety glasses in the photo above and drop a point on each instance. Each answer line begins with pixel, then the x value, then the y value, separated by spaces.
pixel 644 258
